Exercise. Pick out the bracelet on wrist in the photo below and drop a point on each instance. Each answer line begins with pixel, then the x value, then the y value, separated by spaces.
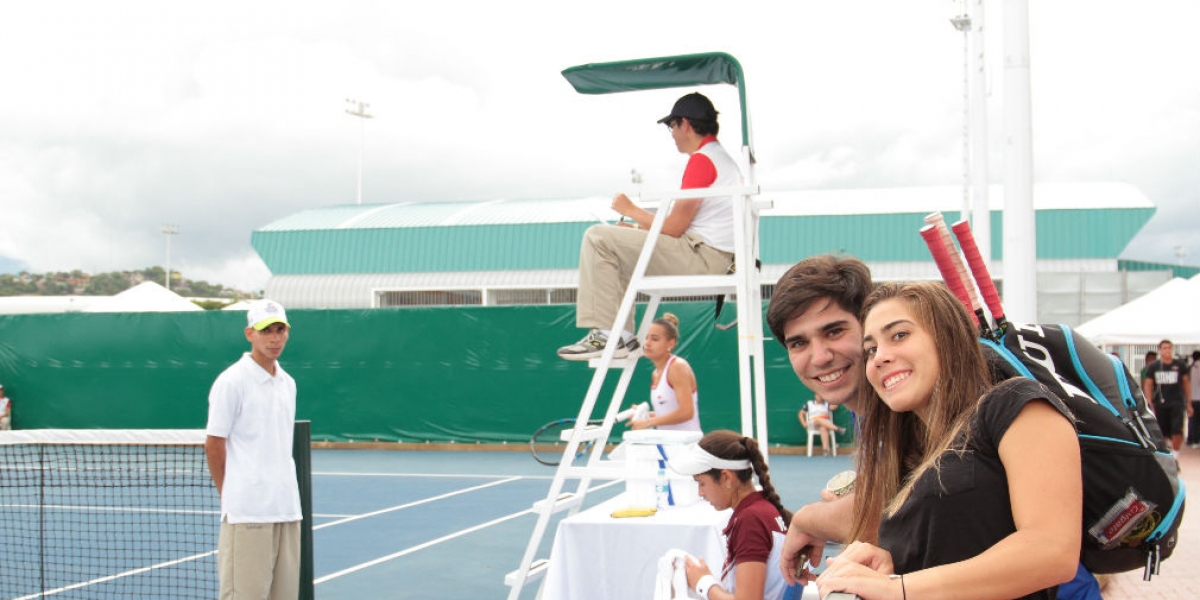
pixel 704 585
pixel 903 592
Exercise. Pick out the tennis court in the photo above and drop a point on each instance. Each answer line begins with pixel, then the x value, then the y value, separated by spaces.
pixel 386 524
pixel 403 524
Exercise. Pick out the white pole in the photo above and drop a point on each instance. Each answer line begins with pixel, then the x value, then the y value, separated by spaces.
pixel 981 221
pixel 1020 232
pixel 169 229
pixel 962 23
pixel 360 111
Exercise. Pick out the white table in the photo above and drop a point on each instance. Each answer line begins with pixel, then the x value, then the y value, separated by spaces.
pixel 596 556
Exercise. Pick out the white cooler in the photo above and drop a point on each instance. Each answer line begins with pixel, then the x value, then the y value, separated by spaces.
pixel 641 464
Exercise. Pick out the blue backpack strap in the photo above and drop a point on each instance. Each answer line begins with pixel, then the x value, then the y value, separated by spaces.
pixel 1008 357
pixel 1171 516
pixel 1123 383
pixel 1086 379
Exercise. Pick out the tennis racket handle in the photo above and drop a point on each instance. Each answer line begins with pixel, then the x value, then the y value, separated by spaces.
pixel 966 239
pixel 636 412
pixel 941 257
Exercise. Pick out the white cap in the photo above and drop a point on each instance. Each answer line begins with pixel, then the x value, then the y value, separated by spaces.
pixel 263 313
pixel 696 460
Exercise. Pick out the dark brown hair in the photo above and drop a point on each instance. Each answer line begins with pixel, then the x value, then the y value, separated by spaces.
pixel 843 279
pixel 731 445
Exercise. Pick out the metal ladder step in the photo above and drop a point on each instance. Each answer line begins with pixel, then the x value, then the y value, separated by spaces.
pixel 590 433
pixel 562 502
pixel 688 285
pixel 537 570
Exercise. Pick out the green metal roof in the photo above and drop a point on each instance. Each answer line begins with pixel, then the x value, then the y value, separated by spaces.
pixel 421 237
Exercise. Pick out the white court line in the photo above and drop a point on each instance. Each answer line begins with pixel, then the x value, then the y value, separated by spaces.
pixel 437 541
pixel 129 573
pixel 443 475
pixel 416 503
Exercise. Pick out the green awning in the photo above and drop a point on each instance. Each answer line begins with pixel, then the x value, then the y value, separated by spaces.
pixel 666 72
pixel 655 73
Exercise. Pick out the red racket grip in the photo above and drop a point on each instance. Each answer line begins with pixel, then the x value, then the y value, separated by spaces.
pixel 966 239
pixel 945 266
pixel 955 259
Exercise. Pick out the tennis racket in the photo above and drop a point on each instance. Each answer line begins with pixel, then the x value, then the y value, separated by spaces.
pixel 966 239
pixel 550 441
pixel 968 296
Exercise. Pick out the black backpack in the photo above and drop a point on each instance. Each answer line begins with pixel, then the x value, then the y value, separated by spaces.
pixel 1132 496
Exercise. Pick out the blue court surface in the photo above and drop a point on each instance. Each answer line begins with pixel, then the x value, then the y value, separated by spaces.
pixel 449 525
pixel 386 524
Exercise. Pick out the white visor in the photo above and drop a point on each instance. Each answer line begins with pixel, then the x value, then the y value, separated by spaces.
pixel 696 460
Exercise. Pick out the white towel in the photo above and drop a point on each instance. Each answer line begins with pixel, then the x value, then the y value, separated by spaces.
pixel 671 583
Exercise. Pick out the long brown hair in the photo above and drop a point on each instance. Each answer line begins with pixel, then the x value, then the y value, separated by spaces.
pixel 730 445
pixel 897 447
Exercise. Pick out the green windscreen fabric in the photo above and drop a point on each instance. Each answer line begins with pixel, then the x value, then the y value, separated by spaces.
pixel 709 68
pixel 444 374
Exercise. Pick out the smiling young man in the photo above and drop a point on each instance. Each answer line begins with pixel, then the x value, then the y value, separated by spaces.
pixel 814 314
pixel 251 411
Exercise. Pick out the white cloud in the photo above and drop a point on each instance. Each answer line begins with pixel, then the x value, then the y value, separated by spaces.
pixel 225 116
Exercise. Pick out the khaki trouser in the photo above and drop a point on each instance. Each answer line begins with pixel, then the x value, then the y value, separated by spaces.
pixel 259 561
pixel 608 255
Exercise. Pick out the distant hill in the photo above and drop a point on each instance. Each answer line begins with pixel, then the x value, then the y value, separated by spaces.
pixel 78 283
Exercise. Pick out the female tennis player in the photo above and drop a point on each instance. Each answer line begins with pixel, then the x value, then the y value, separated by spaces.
pixel 674 398
pixel 724 464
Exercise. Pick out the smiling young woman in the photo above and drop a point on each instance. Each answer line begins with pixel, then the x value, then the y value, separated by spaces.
pixel 957 475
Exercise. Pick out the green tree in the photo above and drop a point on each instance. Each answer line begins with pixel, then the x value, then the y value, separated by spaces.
pixel 211 304
pixel 107 284
pixel 56 287
pixel 156 274
pixel 11 285
pixel 204 289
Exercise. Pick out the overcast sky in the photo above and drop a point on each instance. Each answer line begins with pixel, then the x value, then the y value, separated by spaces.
pixel 221 117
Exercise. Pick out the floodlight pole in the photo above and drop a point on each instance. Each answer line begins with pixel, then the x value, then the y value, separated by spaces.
pixel 169 229
pixel 359 109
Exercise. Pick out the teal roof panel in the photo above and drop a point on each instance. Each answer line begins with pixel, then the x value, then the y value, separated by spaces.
pixel 422 237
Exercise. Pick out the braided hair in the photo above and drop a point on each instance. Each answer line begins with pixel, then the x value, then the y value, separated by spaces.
pixel 731 445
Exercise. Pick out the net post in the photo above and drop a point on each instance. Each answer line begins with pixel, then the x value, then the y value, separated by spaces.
pixel 302 456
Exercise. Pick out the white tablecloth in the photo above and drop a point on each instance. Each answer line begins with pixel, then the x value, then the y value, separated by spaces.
pixel 598 557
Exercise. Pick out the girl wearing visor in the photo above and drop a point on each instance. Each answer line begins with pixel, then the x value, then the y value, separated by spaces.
pixel 724 464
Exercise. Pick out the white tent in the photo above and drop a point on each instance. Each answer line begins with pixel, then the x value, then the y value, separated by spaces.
pixel 1166 313
pixel 144 297
pixel 24 305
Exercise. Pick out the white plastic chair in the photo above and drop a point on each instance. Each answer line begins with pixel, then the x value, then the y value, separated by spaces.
pixel 815 433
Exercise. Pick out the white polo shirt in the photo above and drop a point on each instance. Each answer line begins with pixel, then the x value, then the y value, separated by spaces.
pixel 714 220
pixel 255 413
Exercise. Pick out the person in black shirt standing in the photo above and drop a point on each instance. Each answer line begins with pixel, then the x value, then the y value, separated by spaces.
pixel 1166 386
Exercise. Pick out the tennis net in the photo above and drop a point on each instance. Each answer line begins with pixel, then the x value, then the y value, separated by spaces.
pixel 107 514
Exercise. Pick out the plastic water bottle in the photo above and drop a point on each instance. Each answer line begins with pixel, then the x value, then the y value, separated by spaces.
pixel 662 487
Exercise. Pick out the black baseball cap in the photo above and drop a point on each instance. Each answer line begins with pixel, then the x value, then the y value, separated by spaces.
pixel 693 106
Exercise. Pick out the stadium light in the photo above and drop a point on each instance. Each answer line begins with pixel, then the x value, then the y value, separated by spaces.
pixel 359 109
